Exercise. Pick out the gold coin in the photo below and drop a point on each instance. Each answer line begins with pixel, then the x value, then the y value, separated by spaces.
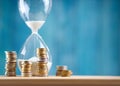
pixel 13 63
pixel 42 71
pixel 61 67
pixel 10 60
pixel 11 56
pixel 26 74
pixel 39 50
pixel 43 59
pixel 10 52
pixel 42 56
pixel 26 69
pixel 10 67
pixel 42 62
pixel 42 53
pixel 66 75
pixel 10 70
pixel 26 62
pixel 10 73
pixel 66 72
pixel 42 67
pixel 26 66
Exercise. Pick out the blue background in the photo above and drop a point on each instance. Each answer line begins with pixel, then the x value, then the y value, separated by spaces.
pixel 82 34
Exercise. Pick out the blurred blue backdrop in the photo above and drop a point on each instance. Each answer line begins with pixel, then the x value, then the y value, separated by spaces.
pixel 82 34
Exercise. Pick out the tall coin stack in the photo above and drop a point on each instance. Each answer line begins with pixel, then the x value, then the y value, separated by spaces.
pixel 42 67
pixel 26 67
pixel 10 63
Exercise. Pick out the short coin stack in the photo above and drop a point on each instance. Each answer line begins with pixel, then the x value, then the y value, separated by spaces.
pixel 26 68
pixel 42 67
pixel 10 63
pixel 63 71
pixel 60 69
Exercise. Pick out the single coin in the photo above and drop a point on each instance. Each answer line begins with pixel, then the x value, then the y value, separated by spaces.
pixel 61 67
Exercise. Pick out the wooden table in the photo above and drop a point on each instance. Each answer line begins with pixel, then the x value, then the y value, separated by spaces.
pixel 61 81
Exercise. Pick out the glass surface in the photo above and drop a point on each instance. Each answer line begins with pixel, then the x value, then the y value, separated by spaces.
pixel 34 13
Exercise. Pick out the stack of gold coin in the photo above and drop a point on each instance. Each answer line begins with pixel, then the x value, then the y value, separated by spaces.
pixel 66 73
pixel 42 67
pixel 10 63
pixel 41 52
pixel 26 68
pixel 60 69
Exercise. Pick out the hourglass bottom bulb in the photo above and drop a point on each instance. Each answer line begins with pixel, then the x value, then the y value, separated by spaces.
pixel 34 65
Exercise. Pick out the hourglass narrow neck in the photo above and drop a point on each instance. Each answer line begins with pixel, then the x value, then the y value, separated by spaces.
pixel 34 31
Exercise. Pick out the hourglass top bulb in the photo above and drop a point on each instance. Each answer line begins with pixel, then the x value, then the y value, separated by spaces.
pixel 34 12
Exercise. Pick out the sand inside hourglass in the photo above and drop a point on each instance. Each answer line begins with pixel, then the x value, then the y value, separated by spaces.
pixel 35 25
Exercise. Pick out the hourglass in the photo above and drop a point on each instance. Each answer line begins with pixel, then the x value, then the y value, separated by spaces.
pixel 34 13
